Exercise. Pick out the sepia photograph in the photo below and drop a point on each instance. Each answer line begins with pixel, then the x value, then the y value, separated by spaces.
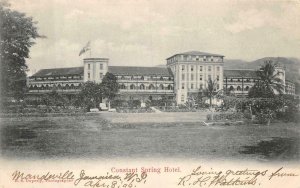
pixel 148 93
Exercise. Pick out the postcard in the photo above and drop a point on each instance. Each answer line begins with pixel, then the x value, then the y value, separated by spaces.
pixel 140 93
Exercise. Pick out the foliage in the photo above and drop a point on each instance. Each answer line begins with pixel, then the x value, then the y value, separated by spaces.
pixel 226 116
pixel 109 86
pixel 268 83
pixel 54 99
pixel 210 90
pixel 90 95
pixel 17 35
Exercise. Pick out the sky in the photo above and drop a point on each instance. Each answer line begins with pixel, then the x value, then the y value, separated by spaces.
pixel 146 32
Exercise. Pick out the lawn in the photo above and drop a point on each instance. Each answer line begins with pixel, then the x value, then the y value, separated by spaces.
pixel 103 136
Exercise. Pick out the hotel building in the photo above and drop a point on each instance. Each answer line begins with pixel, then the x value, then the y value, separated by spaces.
pixel 183 77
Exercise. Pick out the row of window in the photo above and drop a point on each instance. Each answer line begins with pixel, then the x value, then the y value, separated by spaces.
pixel 143 78
pixel 240 80
pixel 101 66
pixel 200 68
pixel 192 86
pixel 196 58
pixel 239 88
pixel 200 77
pixel 100 75
pixel 57 78
pixel 47 87
pixel 143 87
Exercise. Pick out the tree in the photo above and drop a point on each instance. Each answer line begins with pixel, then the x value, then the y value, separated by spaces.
pixel 268 82
pixel 90 95
pixel 109 87
pixel 210 90
pixel 17 35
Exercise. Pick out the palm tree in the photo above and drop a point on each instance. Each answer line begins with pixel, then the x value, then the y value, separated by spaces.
pixel 210 90
pixel 268 82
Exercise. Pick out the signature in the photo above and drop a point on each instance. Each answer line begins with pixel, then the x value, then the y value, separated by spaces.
pixel 208 177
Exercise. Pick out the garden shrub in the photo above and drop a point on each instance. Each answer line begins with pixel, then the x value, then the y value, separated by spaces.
pixel 226 116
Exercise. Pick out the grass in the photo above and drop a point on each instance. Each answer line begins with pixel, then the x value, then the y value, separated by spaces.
pixel 98 136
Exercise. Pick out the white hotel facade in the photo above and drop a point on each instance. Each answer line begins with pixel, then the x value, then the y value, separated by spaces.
pixel 184 75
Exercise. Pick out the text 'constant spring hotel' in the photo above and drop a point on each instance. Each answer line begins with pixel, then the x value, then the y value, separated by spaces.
pixel 184 76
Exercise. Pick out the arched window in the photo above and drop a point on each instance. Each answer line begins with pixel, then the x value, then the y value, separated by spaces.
pixel 231 80
pixel 161 87
pixel 142 77
pixel 122 78
pixel 132 77
pixel 42 88
pixel 132 86
pixel 238 88
pixel 142 86
pixel 231 88
pixel 59 86
pixel 161 78
pixel 122 86
pixel 67 86
pixel 246 88
pixel 151 87
pixel 170 87
pixel 47 87
pixel 72 86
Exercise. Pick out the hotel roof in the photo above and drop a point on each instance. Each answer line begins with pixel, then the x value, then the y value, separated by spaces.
pixel 246 73
pixel 197 53
pixel 59 72
pixel 117 70
pixel 127 70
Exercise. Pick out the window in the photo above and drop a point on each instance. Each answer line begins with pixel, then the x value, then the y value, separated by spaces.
pixel 182 98
pixel 192 68
pixel 132 86
pixel 212 59
pixel 89 66
pixel 101 66
pixel 161 78
pixel 218 86
pixel 200 68
pixel 218 77
pixel 209 77
pixel 122 86
pixel 151 87
pixel 182 67
pixel 218 68
pixel 247 88
pixel 182 86
pixel 192 76
pixel 201 86
pixel 182 77
pixel 201 77
pixel 197 59
pixel 132 77
pixel 89 75
pixel 161 87
pixel 122 78
pixel 142 87
pixel 238 88
pixel 101 75
pixel 170 87
pixel 209 68
pixel 192 86
pixel 142 77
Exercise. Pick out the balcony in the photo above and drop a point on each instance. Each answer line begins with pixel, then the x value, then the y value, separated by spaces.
pixel 148 91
